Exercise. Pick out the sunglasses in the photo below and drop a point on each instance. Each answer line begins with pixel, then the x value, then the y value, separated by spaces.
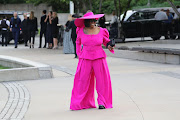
pixel 93 20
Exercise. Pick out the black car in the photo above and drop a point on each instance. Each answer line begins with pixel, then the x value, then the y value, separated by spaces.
pixel 9 14
pixel 141 23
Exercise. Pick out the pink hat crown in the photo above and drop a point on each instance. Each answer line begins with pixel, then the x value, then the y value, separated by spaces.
pixel 90 15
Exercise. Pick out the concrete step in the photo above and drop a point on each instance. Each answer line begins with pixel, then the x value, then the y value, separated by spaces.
pixel 151 57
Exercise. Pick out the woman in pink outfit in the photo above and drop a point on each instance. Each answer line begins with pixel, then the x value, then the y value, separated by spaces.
pixel 92 64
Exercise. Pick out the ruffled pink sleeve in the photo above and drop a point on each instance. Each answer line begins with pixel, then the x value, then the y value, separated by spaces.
pixel 106 38
pixel 78 41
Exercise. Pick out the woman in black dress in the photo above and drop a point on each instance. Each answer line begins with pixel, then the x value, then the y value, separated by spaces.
pixel 55 30
pixel 32 28
pixel 25 29
pixel 102 21
pixel 49 36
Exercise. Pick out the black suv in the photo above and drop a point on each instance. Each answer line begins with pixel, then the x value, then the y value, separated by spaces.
pixel 141 23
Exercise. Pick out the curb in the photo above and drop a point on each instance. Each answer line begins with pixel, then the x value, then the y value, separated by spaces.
pixel 23 69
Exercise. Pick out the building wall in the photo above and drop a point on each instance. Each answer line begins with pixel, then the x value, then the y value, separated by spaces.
pixel 63 17
pixel 27 8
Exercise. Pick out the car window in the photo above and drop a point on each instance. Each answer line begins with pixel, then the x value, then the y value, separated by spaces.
pixel 128 14
pixel 137 16
pixel 143 15
pixel 151 15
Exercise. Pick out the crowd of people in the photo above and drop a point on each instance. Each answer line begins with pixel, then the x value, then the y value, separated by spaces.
pixel 168 18
pixel 29 28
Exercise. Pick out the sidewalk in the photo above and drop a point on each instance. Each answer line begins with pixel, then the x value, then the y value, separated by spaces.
pixel 141 90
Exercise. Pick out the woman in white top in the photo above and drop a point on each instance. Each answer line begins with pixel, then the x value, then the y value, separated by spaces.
pixel 68 47
pixel 114 18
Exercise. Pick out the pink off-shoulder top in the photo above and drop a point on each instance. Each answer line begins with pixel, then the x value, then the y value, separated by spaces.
pixel 92 44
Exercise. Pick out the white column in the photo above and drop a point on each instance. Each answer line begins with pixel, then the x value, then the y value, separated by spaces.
pixel 71 6
pixel 149 3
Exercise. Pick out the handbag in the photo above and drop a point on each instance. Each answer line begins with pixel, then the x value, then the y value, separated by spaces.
pixel 111 43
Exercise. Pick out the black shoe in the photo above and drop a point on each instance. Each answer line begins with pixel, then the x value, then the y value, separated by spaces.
pixel 26 45
pixel 15 47
pixel 44 47
pixel 39 47
pixel 101 107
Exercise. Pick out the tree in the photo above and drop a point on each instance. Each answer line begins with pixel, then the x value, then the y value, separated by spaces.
pixel 12 1
pixel 115 5
pixel 90 4
pixel 100 5
pixel 97 6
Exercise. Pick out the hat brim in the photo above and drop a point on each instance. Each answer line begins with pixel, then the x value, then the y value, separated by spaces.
pixel 79 22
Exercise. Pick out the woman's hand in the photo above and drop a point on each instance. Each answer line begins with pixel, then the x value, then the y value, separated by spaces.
pixel 110 47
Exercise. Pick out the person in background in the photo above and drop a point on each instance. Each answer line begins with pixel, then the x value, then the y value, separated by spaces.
pixel 73 33
pixel 114 20
pixel 4 27
pixel 25 29
pixel 15 28
pixel 177 17
pixel 169 24
pixel 43 29
pixel 49 36
pixel 33 28
pixel 55 29
pixel 161 15
pixel 68 46
pixel 114 26
pixel 102 21
pixel 69 20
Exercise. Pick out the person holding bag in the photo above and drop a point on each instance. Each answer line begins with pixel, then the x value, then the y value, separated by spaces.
pixel 92 64
pixel 33 28
pixel 55 29
pixel 49 36
pixel 5 25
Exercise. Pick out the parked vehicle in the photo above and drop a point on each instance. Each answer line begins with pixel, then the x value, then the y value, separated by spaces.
pixel 141 23
pixel 9 14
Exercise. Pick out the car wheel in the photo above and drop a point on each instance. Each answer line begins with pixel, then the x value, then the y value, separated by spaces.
pixel 123 37
pixel 173 37
pixel 156 38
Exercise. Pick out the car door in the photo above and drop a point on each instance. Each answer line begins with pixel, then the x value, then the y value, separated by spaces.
pixel 132 27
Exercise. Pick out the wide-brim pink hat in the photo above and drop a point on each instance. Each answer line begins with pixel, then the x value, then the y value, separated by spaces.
pixel 79 22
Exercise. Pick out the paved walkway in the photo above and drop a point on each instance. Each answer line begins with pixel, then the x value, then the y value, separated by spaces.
pixel 141 90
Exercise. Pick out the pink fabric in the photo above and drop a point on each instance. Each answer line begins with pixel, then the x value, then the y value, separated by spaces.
pixel 79 22
pixel 92 44
pixel 84 84
pixel 92 63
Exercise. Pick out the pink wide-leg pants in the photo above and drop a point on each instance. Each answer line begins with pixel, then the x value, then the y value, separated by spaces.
pixel 84 84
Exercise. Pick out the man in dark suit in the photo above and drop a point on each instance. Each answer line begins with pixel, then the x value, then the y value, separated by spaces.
pixel 15 27
pixel 73 33
pixel 43 29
